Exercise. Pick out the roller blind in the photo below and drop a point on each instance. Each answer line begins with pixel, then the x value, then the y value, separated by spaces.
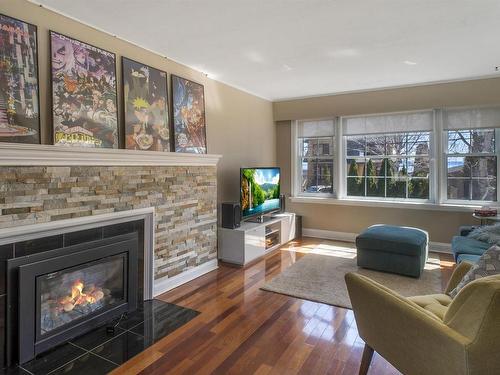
pixel 320 128
pixel 388 123
pixel 472 118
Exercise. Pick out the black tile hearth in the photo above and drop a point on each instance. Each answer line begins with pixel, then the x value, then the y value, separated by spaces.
pixel 54 359
pixel 96 337
pixel 38 245
pixel 99 352
pixel 121 348
pixel 87 364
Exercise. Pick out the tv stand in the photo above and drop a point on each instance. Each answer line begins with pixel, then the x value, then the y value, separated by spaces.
pixel 253 240
pixel 259 219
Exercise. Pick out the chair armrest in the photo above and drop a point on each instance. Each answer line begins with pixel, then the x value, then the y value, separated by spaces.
pixel 411 338
pixel 457 275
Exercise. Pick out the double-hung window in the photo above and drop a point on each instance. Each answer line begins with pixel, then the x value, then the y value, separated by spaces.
pixel 315 157
pixel 388 156
pixel 471 158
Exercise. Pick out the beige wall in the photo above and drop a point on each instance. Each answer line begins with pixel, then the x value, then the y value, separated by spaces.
pixel 233 117
pixel 352 219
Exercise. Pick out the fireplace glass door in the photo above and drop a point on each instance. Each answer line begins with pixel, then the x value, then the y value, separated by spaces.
pixel 74 293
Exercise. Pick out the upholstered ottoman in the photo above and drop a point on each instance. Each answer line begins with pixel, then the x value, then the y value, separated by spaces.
pixel 390 248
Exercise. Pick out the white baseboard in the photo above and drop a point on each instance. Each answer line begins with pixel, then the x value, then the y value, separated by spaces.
pixel 438 247
pixel 168 283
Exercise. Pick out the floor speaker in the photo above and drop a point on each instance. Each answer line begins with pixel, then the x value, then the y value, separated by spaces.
pixel 231 215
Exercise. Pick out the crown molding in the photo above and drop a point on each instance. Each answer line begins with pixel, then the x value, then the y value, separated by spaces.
pixel 18 154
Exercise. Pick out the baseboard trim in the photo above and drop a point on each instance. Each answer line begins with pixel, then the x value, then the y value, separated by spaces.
pixel 438 247
pixel 168 283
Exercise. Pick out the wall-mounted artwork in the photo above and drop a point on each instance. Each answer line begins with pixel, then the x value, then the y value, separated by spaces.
pixel 146 107
pixel 83 94
pixel 19 105
pixel 189 116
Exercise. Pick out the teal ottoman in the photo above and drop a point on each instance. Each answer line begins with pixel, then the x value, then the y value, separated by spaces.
pixel 389 248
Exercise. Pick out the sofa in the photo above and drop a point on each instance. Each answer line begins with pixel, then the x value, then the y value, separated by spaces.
pixel 467 249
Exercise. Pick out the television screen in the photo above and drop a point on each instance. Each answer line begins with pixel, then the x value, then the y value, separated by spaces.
pixel 260 191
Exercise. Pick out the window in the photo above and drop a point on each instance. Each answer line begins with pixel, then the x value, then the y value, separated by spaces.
pixel 388 165
pixel 316 157
pixel 471 164
pixel 471 153
pixel 441 156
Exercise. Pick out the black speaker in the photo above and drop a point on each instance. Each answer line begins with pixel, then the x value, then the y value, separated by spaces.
pixel 282 202
pixel 231 215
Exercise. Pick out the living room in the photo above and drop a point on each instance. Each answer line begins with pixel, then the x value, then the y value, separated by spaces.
pixel 281 187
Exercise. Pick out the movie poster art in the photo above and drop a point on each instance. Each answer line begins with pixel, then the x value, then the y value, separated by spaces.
pixel 146 107
pixel 19 105
pixel 83 94
pixel 189 116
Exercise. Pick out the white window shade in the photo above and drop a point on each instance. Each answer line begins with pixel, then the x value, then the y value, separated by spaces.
pixel 477 118
pixel 388 123
pixel 320 128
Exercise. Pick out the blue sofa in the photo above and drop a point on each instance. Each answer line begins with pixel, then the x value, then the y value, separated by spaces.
pixel 465 248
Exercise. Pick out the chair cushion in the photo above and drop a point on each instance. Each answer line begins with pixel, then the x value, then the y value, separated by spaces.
pixel 436 304
pixel 487 265
pixel 393 239
pixel 466 245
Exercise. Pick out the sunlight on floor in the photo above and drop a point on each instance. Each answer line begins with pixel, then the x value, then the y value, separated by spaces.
pixel 340 251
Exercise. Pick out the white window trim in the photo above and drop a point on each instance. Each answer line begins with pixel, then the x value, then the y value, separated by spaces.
pixel 438 198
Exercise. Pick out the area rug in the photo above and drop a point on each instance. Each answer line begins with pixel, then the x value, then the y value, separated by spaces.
pixel 319 276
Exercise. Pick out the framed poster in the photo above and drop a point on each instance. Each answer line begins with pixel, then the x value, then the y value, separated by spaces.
pixel 19 94
pixel 83 94
pixel 189 116
pixel 145 107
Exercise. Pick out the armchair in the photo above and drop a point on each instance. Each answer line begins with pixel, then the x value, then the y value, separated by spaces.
pixel 434 334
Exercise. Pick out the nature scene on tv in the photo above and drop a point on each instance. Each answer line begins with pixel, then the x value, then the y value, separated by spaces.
pixel 260 190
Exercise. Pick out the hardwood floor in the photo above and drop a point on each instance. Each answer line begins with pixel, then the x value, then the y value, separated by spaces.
pixel 244 330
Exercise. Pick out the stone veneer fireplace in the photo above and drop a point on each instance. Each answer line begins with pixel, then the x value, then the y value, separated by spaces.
pixel 42 186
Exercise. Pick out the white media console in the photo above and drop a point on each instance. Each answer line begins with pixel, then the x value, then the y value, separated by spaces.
pixel 253 240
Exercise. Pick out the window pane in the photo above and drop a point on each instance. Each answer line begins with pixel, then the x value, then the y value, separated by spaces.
pixel 374 168
pixel 459 142
pixel 397 167
pixel 418 188
pixel 355 167
pixel 355 186
pixel 317 176
pixel 484 189
pixel 396 188
pixel 482 166
pixel 396 144
pixel 309 146
pixel 375 145
pixel 375 187
pixel 459 188
pixel 457 167
pixel 483 141
pixel 355 146
pixel 325 146
pixel 418 167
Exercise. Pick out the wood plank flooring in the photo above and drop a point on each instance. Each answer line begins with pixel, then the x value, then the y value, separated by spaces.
pixel 244 330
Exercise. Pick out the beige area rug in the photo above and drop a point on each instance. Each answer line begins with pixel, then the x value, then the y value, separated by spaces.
pixel 319 277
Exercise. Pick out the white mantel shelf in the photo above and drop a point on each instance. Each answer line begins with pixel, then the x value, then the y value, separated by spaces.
pixel 18 154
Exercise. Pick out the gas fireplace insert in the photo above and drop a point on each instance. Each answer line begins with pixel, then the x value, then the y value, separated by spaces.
pixel 66 292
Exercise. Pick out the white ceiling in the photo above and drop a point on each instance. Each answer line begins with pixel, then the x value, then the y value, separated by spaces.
pixel 280 49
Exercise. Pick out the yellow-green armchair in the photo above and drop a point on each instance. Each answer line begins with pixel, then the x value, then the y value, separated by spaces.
pixel 434 334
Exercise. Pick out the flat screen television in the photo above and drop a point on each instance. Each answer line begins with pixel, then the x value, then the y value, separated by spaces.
pixel 259 191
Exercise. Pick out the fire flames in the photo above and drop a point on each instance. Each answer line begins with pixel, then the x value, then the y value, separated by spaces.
pixel 81 295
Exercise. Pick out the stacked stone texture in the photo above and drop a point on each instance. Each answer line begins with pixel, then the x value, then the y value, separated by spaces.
pixel 184 198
